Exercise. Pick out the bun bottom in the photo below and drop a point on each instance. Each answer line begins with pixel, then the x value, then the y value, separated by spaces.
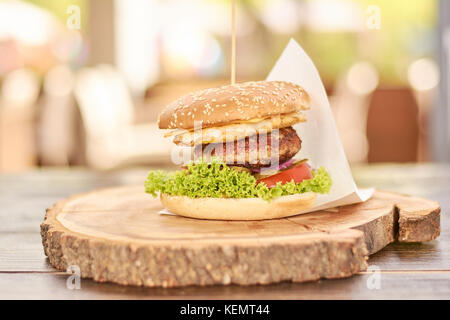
pixel 238 209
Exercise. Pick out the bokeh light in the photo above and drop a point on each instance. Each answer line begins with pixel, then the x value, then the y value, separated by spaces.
pixel 423 74
pixel 362 78
pixel 19 88
pixel 282 16
pixel 190 49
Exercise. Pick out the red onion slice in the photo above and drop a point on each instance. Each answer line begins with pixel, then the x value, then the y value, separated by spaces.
pixel 282 166
pixel 286 164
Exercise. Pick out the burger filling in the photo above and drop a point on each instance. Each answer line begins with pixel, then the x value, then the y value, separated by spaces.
pixel 254 152
pixel 260 165
pixel 215 179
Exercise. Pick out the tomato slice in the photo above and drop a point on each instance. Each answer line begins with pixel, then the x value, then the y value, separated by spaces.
pixel 297 173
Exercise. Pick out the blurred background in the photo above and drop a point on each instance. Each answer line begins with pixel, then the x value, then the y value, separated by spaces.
pixel 82 82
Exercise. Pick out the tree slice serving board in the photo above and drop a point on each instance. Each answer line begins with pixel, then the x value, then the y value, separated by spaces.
pixel 118 235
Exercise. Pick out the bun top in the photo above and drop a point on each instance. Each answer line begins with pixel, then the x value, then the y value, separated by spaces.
pixel 234 103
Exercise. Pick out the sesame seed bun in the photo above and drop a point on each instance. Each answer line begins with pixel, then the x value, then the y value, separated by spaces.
pixel 234 103
pixel 238 209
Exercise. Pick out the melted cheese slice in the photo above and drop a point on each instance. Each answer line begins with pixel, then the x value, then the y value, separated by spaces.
pixel 235 131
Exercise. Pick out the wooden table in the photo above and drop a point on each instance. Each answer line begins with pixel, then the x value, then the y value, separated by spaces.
pixel 405 271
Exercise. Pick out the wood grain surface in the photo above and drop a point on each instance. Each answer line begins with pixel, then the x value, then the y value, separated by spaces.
pixel 405 270
pixel 117 235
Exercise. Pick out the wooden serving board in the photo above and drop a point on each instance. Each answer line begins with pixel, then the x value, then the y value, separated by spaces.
pixel 118 235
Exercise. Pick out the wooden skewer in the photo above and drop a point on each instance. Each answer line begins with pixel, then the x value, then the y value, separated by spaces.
pixel 233 42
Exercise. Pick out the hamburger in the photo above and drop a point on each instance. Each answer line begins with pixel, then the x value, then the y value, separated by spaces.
pixel 242 144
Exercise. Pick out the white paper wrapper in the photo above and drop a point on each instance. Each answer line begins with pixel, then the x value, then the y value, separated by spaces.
pixel 320 139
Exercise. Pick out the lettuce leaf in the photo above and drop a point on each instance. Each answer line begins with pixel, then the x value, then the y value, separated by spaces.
pixel 216 180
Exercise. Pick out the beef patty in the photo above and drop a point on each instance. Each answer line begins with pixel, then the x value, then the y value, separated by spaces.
pixel 260 150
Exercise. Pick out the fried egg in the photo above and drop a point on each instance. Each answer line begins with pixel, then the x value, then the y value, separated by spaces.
pixel 234 131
